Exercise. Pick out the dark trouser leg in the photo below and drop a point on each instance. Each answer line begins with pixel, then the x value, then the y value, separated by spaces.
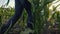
pixel 12 21
pixel 30 17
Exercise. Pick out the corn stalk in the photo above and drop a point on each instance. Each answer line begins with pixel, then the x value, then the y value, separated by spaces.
pixel 39 19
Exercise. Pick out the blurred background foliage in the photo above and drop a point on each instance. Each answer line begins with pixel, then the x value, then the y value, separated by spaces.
pixel 41 12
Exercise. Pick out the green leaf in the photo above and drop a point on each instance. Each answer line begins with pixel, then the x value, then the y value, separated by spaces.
pixel 7 2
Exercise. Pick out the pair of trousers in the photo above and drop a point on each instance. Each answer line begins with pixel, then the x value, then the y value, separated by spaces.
pixel 18 12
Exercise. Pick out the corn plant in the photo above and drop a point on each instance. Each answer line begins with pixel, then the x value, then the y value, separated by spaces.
pixel 39 19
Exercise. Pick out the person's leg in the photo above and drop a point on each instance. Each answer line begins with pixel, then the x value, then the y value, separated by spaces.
pixel 12 21
pixel 22 1
pixel 30 16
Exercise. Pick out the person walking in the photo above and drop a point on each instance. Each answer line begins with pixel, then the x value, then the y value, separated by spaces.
pixel 19 6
